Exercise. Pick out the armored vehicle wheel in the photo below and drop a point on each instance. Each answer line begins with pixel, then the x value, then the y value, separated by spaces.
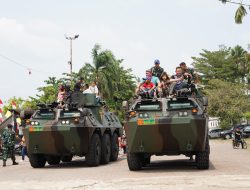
pixel 114 147
pixel 202 158
pixel 105 152
pixel 93 156
pixel 37 160
pixel 145 159
pixel 67 158
pixel 53 160
pixel 134 161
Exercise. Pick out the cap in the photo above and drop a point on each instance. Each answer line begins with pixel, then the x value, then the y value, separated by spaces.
pixel 157 61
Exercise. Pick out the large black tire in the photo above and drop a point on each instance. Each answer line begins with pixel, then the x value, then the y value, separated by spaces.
pixel 106 149
pixel 202 158
pixel 93 156
pixel 53 160
pixel 134 161
pixel 37 160
pixel 67 158
pixel 114 147
pixel 145 160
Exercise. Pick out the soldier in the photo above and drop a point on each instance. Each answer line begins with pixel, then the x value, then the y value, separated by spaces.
pixel 157 70
pixel 8 140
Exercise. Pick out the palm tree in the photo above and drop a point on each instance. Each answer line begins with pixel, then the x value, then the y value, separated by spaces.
pixel 101 70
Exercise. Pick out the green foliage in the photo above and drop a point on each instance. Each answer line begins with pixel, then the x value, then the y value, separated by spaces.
pixel 229 64
pixel 240 13
pixel 21 104
pixel 227 100
pixel 114 82
pixel 247 115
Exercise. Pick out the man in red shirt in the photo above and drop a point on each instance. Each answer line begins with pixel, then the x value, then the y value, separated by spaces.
pixel 148 87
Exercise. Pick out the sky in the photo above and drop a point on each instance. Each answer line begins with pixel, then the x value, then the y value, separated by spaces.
pixel 138 31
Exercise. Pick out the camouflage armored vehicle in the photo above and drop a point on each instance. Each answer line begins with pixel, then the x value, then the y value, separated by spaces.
pixel 167 126
pixel 83 128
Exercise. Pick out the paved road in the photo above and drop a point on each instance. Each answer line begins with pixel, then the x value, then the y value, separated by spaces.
pixel 229 169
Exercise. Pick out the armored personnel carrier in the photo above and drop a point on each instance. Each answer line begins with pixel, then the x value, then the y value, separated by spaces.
pixel 83 128
pixel 167 126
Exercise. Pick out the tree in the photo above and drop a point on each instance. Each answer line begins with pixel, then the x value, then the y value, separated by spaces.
pixel 227 100
pixel 240 12
pixel 114 82
pixel 215 65
pixel 229 64
pixel 100 70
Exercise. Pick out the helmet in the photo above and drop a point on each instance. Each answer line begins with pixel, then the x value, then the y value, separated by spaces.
pixel 157 61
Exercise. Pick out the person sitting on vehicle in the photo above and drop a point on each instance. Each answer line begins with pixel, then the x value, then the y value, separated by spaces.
pixel 177 81
pixel 79 85
pixel 165 84
pixel 147 88
pixel 61 94
pixel 238 136
pixel 188 71
pixel 86 89
pixel 157 70
pixel 93 88
pixel 154 79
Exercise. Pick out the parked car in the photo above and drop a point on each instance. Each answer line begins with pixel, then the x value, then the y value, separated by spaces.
pixel 227 134
pixel 246 131
pixel 215 133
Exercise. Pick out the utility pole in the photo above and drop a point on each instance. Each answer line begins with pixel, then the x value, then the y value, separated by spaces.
pixel 70 61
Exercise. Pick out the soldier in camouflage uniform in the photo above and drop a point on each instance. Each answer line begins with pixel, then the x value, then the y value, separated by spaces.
pixel 157 70
pixel 8 141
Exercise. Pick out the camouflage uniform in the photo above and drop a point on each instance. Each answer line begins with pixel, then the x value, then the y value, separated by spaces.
pixel 157 71
pixel 8 140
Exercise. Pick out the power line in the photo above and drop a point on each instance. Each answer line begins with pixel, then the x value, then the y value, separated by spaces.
pixel 23 66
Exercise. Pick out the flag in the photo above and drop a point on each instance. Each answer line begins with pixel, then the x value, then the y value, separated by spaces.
pixel 14 106
pixel 1 102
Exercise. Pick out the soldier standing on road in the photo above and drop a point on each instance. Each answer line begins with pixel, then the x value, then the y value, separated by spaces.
pixel 8 140
pixel 157 70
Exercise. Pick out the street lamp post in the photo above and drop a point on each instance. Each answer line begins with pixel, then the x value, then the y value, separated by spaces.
pixel 70 62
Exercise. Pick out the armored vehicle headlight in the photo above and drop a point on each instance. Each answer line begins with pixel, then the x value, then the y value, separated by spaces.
pixel 132 114
pixel 63 122
pixel 67 122
pixel 32 123
pixel 36 123
pixel 194 110
pixel 180 114
pixel 76 120
pixel 185 113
